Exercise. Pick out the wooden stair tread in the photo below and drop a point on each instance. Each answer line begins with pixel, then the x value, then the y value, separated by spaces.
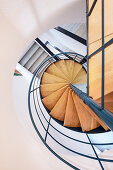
pixel 47 89
pixel 81 77
pixel 107 98
pixel 62 66
pixel 109 106
pixel 52 99
pixel 77 68
pixel 70 67
pixel 49 78
pixel 71 117
pixel 54 70
pixel 86 120
pixel 108 101
pixel 58 111
pixel 63 103
pixel 94 115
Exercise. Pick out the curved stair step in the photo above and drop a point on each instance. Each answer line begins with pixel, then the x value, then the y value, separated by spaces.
pixel 52 99
pixel 77 68
pixel 54 70
pixel 95 116
pixel 86 120
pixel 49 78
pixel 108 101
pixel 71 117
pixel 81 77
pixel 63 103
pixel 109 106
pixel 107 98
pixel 70 67
pixel 58 112
pixel 62 66
pixel 47 89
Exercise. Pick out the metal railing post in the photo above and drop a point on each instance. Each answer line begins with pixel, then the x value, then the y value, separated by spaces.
pixel 102 98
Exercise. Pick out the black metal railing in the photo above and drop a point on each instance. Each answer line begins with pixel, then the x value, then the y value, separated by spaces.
pixel 47 129
pixel 71 35
pixel 59 50
pixel 83 58
pixel 45 48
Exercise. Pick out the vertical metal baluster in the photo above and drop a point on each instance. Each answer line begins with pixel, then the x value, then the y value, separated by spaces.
pixel 95 152
pixel 87 48
pixel 102 97
pixel 47 129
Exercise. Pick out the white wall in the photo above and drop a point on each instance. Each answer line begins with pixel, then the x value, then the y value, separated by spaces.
pixel 20 23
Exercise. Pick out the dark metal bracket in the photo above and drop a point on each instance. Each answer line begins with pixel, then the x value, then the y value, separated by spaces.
pixel 92 7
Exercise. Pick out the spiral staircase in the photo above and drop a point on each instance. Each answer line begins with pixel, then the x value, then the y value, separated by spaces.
pixel 68 119
pixel 87 145
pixel 61 101
pixel 65 124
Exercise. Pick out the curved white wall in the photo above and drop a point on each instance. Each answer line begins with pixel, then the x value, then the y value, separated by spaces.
pixel 20 22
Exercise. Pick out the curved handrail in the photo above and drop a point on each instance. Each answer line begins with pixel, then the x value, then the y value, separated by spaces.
pixel 49 124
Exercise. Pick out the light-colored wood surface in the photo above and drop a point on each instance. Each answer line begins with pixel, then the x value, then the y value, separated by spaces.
pixel 52 99
pixel 86 120
pixel 71 117
pixel 90 2
pixel 109 69
pixel 47 89
pixel 97 44
pixel 95 73
pixel 49 78
pixel 94 46
pixel 81 77
pixel 95 26
pixel 108 15
pixel 95 23
pixel 63 103
pixel 77 68
pixel 95 41
pixel 95 116
pixel 109 106
pixel 107 98
pixel 62 66
pixel 59 110
pixel 95 68
pixel 108 101
pixel 95 20
pixel 54 70
pixel 70 68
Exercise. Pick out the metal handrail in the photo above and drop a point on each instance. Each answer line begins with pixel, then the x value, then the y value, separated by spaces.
pixel 103 114
pixel 49 122
pixel 65 134
pixel 83 60
pixel 59 50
